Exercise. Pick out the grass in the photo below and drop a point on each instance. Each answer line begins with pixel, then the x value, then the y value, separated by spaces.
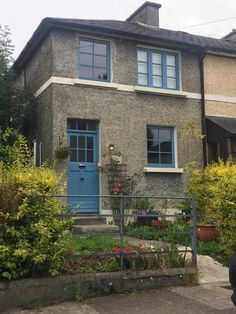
pixel 92 264
pixel 92 244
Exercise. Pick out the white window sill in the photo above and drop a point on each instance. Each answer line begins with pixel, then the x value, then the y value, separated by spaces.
pixel 95 83
pixel 165 92
pixel 163 170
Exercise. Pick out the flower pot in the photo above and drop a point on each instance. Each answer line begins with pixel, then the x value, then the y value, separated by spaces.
pixel 206 232
pixel 160 224
pixel 144 220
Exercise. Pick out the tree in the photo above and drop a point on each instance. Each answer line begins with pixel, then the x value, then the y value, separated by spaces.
pixel 17 105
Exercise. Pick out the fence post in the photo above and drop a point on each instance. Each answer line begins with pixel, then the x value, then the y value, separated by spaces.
pixel 121 231
pixel 194 231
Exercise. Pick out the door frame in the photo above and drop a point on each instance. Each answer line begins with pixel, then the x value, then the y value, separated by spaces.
pixel 98 152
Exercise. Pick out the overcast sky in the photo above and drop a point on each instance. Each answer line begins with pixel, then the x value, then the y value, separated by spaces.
pixel 23 16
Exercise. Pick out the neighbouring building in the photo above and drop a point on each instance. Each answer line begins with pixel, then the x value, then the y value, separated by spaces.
pixel 220 100
pixel 127 84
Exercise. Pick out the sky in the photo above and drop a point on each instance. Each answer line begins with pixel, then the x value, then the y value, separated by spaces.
pixel 23 16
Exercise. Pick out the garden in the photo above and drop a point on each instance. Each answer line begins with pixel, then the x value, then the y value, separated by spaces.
pixel 35 230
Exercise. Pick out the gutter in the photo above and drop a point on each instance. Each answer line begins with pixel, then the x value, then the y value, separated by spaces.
pixel 203 107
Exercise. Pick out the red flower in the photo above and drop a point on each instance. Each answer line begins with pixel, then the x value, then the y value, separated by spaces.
pixel 116 249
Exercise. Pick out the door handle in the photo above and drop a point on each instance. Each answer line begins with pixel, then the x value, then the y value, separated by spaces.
pixel 81 179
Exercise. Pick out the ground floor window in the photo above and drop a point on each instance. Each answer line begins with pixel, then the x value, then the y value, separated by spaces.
pixel 160 146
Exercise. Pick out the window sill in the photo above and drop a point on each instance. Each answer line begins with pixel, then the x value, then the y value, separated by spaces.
pixel 160 91
pixel 163 170
pixel 95 83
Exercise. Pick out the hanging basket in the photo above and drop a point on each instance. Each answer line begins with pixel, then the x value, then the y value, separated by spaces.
pixel 62 152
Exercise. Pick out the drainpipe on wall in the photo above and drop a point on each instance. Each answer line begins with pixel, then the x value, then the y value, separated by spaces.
pixel 203 111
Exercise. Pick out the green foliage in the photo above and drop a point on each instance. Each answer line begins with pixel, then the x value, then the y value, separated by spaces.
pixel 144 203
pixel 17 105
pixel 215 190
pixel 174 233
pixel 32 238
pixel 92 244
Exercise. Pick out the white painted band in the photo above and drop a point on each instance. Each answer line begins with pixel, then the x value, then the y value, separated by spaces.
pixel 119 87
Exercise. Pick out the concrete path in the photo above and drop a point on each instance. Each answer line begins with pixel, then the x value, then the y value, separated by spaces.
pixel 204 299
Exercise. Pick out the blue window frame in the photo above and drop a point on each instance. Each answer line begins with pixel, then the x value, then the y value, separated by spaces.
pixel 158 69
pixel 160 146
pixel 94 60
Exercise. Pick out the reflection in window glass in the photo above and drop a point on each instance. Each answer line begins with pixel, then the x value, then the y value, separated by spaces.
pixel 93 60
pixel 160 146
pixel 157 69
pixel 73 155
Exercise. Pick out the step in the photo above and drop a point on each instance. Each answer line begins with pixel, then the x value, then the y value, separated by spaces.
pixel 90 220
pixel 95 229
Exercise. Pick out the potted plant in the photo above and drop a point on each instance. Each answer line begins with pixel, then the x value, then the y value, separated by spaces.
pixel 161 223
pixel 62 151
pixel 146 211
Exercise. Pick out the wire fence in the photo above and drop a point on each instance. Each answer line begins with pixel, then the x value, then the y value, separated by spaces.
pixel 124 211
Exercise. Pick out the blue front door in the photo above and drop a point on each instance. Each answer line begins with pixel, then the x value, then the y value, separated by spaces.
pixel 82 171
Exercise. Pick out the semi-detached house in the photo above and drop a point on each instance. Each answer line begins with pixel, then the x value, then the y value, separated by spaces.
pixel 129 84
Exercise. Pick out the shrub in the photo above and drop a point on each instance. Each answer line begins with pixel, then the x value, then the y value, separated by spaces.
pixel 31 233
pixel 215 190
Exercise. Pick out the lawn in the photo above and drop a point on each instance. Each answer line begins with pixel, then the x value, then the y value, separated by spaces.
pixel 138 259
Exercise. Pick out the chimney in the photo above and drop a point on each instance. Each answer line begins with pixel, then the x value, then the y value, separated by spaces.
pixel 231 36
pixel 147 14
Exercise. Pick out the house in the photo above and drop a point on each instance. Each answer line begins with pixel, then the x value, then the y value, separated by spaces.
pixel 220 100
pixel 130 85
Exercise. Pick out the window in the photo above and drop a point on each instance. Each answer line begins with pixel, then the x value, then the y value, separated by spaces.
pixel 158 69
pixel 94 60
pixel 160 146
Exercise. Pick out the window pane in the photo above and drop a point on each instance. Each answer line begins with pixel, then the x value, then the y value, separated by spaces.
pixel 171 72
pixel 85 59
pixel 100 74
pixel 153 158
pixel 81 142
pixel 100 61
pixel 157 81
pixel 166 158
pixel 152 133
pixel 73 155
pixel 142 55
pixel 92 125
pixel 72 124
pixel 86 72
pixel 89 142
pixel 100 49
pixel 165 140
pixel 156 58
pixel 156 70
pixel 85 46
pixel 171 83
pixel 170 60
pixel 73 141
pixel 89 155
pixel 142 79
pixel 153 145
pixel 82 124
pixel 82 155
pixel 142 67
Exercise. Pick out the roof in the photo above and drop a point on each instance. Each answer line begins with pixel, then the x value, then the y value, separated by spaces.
pixel 228 124
pixel 125 29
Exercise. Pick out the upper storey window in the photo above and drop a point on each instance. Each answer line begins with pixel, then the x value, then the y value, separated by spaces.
pixel 158 69
pixel 94 60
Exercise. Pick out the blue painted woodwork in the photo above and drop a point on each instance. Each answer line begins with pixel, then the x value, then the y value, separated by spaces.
pixel 150 64
pixel 82 171
pixel 90 59
pixel 160 147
